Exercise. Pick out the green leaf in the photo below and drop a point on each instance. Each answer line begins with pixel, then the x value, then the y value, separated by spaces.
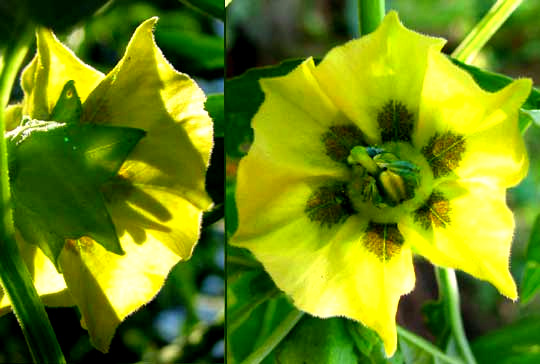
pixel 244 96
pixel 417 350
pixel 56 172
pixel 256 288
pixel 240 261
pixel 200 52
pixel 215 8
pixel 528 117
pixel 515 343
pixel 316 341
pixel 530 283
pixel 254 310
pixel 215 105
pixel 412 354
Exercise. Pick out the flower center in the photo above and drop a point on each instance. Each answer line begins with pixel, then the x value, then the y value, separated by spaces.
pixel 384 178
pixel 388 180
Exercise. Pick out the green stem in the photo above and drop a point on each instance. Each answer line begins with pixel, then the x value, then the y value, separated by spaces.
pixel 370 15
pixel 275 338
pixel 426 346
pixel 449 294
pixel 484 30
pixel 14 274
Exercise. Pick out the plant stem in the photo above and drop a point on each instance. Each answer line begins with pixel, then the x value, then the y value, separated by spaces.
pixel 484 30
pixel 370 15
pixel 426 346
pixel 275 338
pixel 449 294
pixel 14 274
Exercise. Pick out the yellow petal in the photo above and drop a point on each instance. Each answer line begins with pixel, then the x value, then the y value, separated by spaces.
pixel 157 229
pixel 50 284
pixel 452 102
pixel 330 273
pixel 326 270
pixel 363 75
pixel 292 120
pixel 107 287
pixel 144 91
pixel 44 78
pixel 475 237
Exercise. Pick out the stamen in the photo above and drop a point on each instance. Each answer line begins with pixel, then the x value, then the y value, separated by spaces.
pixel 393 186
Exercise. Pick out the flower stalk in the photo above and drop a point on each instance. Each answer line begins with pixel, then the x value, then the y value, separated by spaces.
pixel 449 294
pixel 483 31
pixel 370 15
pixel 14 274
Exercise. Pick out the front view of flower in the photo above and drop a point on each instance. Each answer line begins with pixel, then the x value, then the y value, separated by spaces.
pixel 383 149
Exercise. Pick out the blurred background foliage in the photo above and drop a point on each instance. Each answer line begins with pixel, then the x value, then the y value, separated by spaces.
pixel 266 32
pixel 185 322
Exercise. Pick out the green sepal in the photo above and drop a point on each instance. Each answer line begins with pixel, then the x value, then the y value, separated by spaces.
pixel 68 109
pixel 56 172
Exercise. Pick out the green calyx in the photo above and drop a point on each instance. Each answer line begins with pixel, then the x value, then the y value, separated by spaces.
pixel 57 170
pixel 381 177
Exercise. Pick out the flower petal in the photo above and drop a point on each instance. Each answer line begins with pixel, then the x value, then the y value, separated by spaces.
pixel 292 121
pixel 452 102
pixel 363 75
pixel 157 229
pixel 108 287
pixel 327 270
pixel 44 78
pixel 474 233
pixel 50 284
pixel 144 91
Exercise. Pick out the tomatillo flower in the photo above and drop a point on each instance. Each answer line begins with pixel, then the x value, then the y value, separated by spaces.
pixel 108 177
pixel 383 149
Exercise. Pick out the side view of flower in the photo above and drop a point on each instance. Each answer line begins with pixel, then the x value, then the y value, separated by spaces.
pixel 108 177
pixel 382 150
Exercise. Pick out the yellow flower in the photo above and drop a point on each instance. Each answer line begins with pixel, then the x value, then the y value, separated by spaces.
pixel 382 149
pixel 155 201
